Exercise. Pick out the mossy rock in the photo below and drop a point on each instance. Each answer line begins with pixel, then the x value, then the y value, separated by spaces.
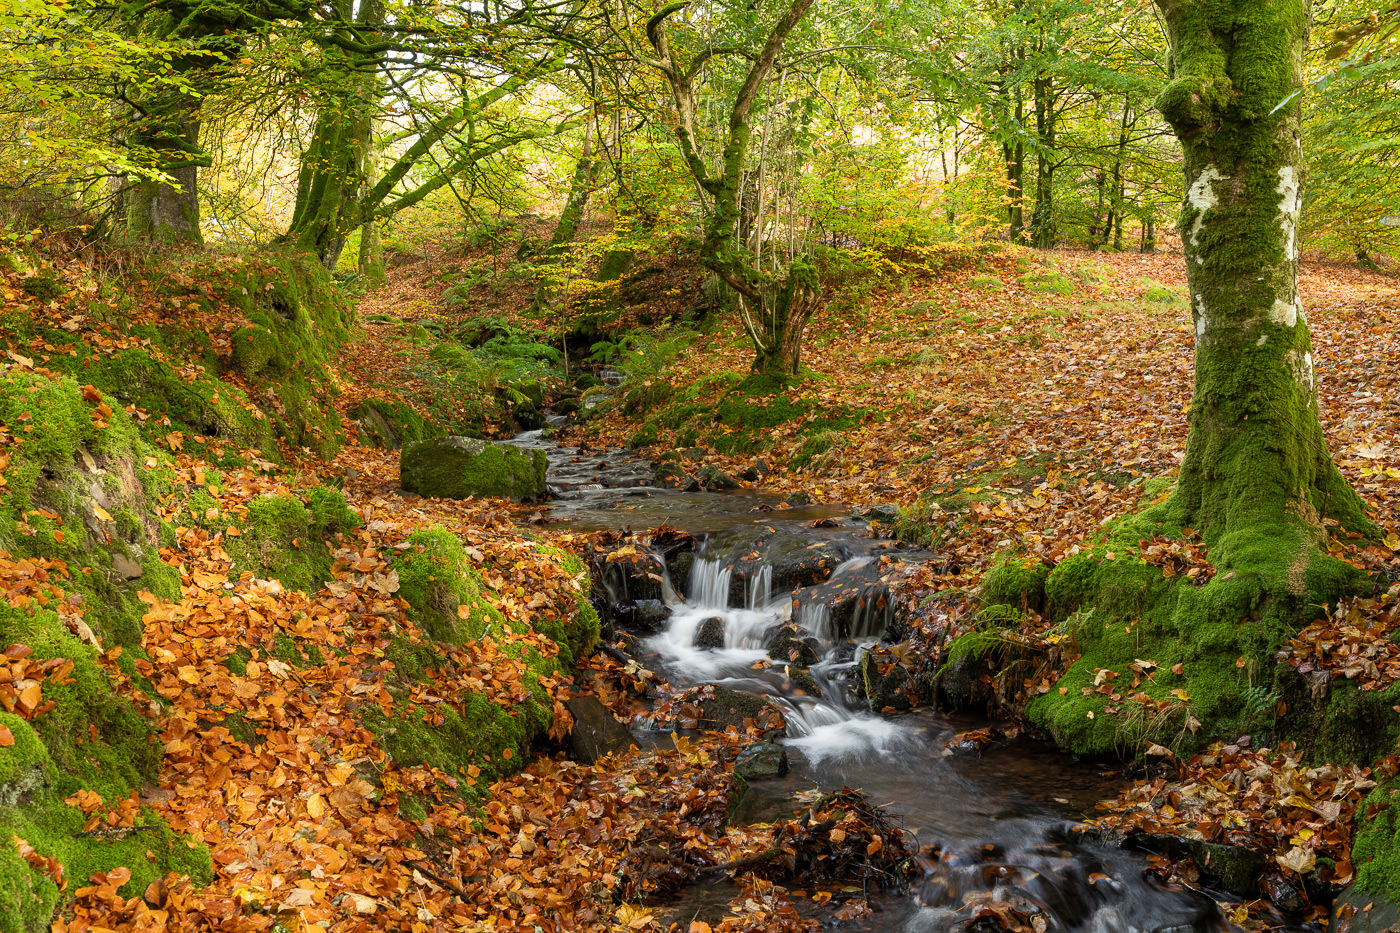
pixel 193 404
pixel 443 588
pixel 450 354
pixel 1375 849
pixel 254 350
pixel 1155 291
pixel 391 423
pixel 100 501
pixel 1018 582
pixel 986 283
pixel 290 541
pixel 614 264
pixel 464 467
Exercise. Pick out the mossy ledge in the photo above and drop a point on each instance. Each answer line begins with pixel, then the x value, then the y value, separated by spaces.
pixel 1117 607
pixel 475 738
pixel 81 520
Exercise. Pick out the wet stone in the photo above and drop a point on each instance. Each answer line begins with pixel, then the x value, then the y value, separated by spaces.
pixel 711 633
pixel 762 761
pixel 1364 912
pixel 671 475
pixel 734 707
pixel 1230 868
pixel 882 512
pixel 679 568
pixel 789 645
pixel 651 615
pixel 713 478
pixel 596 732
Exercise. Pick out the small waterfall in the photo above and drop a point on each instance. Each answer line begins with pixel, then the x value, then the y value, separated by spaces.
pixel 760 588
pixel 709 584
pixel 815 617
pixel 873 614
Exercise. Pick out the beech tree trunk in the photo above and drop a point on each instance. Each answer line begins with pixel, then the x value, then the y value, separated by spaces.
pixel 774 309
pixel 776 318
pixel 1257 478
pixel 168 212
pixel 1043 215
pixel 333 168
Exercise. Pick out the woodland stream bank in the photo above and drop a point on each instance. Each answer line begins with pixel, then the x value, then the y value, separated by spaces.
pixel 1001 823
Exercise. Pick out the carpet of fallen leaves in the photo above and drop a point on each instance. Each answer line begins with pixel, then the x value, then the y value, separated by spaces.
pixel 1049 411
pixel 298 802
pixel 304 822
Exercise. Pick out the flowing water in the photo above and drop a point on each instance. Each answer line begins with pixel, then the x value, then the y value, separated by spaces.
pixel 1002 823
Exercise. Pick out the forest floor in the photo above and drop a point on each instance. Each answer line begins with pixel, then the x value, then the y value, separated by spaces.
pixel 1044 393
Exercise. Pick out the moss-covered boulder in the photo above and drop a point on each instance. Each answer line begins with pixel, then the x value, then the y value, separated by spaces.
pixel 464 467
pixel 391 423
pixel 290 541
pixel 1018 582
pixel 82 502
pixel 446 600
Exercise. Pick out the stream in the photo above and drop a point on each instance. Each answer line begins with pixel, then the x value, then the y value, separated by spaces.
pixel 1000 822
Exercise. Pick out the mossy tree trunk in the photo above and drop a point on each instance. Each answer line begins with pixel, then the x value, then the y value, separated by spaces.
pixel 774 307
pixel 166 130
pixel 168 211
pixel 1043 215
pixel 333 172
pixel 1257 478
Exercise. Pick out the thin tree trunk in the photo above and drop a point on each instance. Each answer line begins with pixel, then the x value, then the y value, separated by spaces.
pixel 371 259
pixel 774 310
pixel 1043 217
pixel 581 187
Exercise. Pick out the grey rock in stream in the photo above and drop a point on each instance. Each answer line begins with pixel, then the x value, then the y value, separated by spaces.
pixel 670 474
pixel 596 732
pixel 1229 868
pixel 713 478
pixel 789 645
pixel 1349 913
pixel 465 467
pixel 732 707
pixel 651 615
pixel 761 761
pixel 711 633
pixel 679 568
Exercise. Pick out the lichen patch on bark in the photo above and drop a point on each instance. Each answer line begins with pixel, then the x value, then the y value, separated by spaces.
pixel 1289 208
pixel 1202 197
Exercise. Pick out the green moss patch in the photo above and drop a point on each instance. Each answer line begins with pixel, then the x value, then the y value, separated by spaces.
pixel 461 468
pixel 80 492
pixel 1212 642
pixel 290 541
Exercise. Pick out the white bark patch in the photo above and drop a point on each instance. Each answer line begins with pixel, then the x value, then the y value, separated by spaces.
pixel 1288 209
pixel 1262 340
pixel 1201 195
pixel 1200 317
pixel 1302 366
pixel 1284 314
